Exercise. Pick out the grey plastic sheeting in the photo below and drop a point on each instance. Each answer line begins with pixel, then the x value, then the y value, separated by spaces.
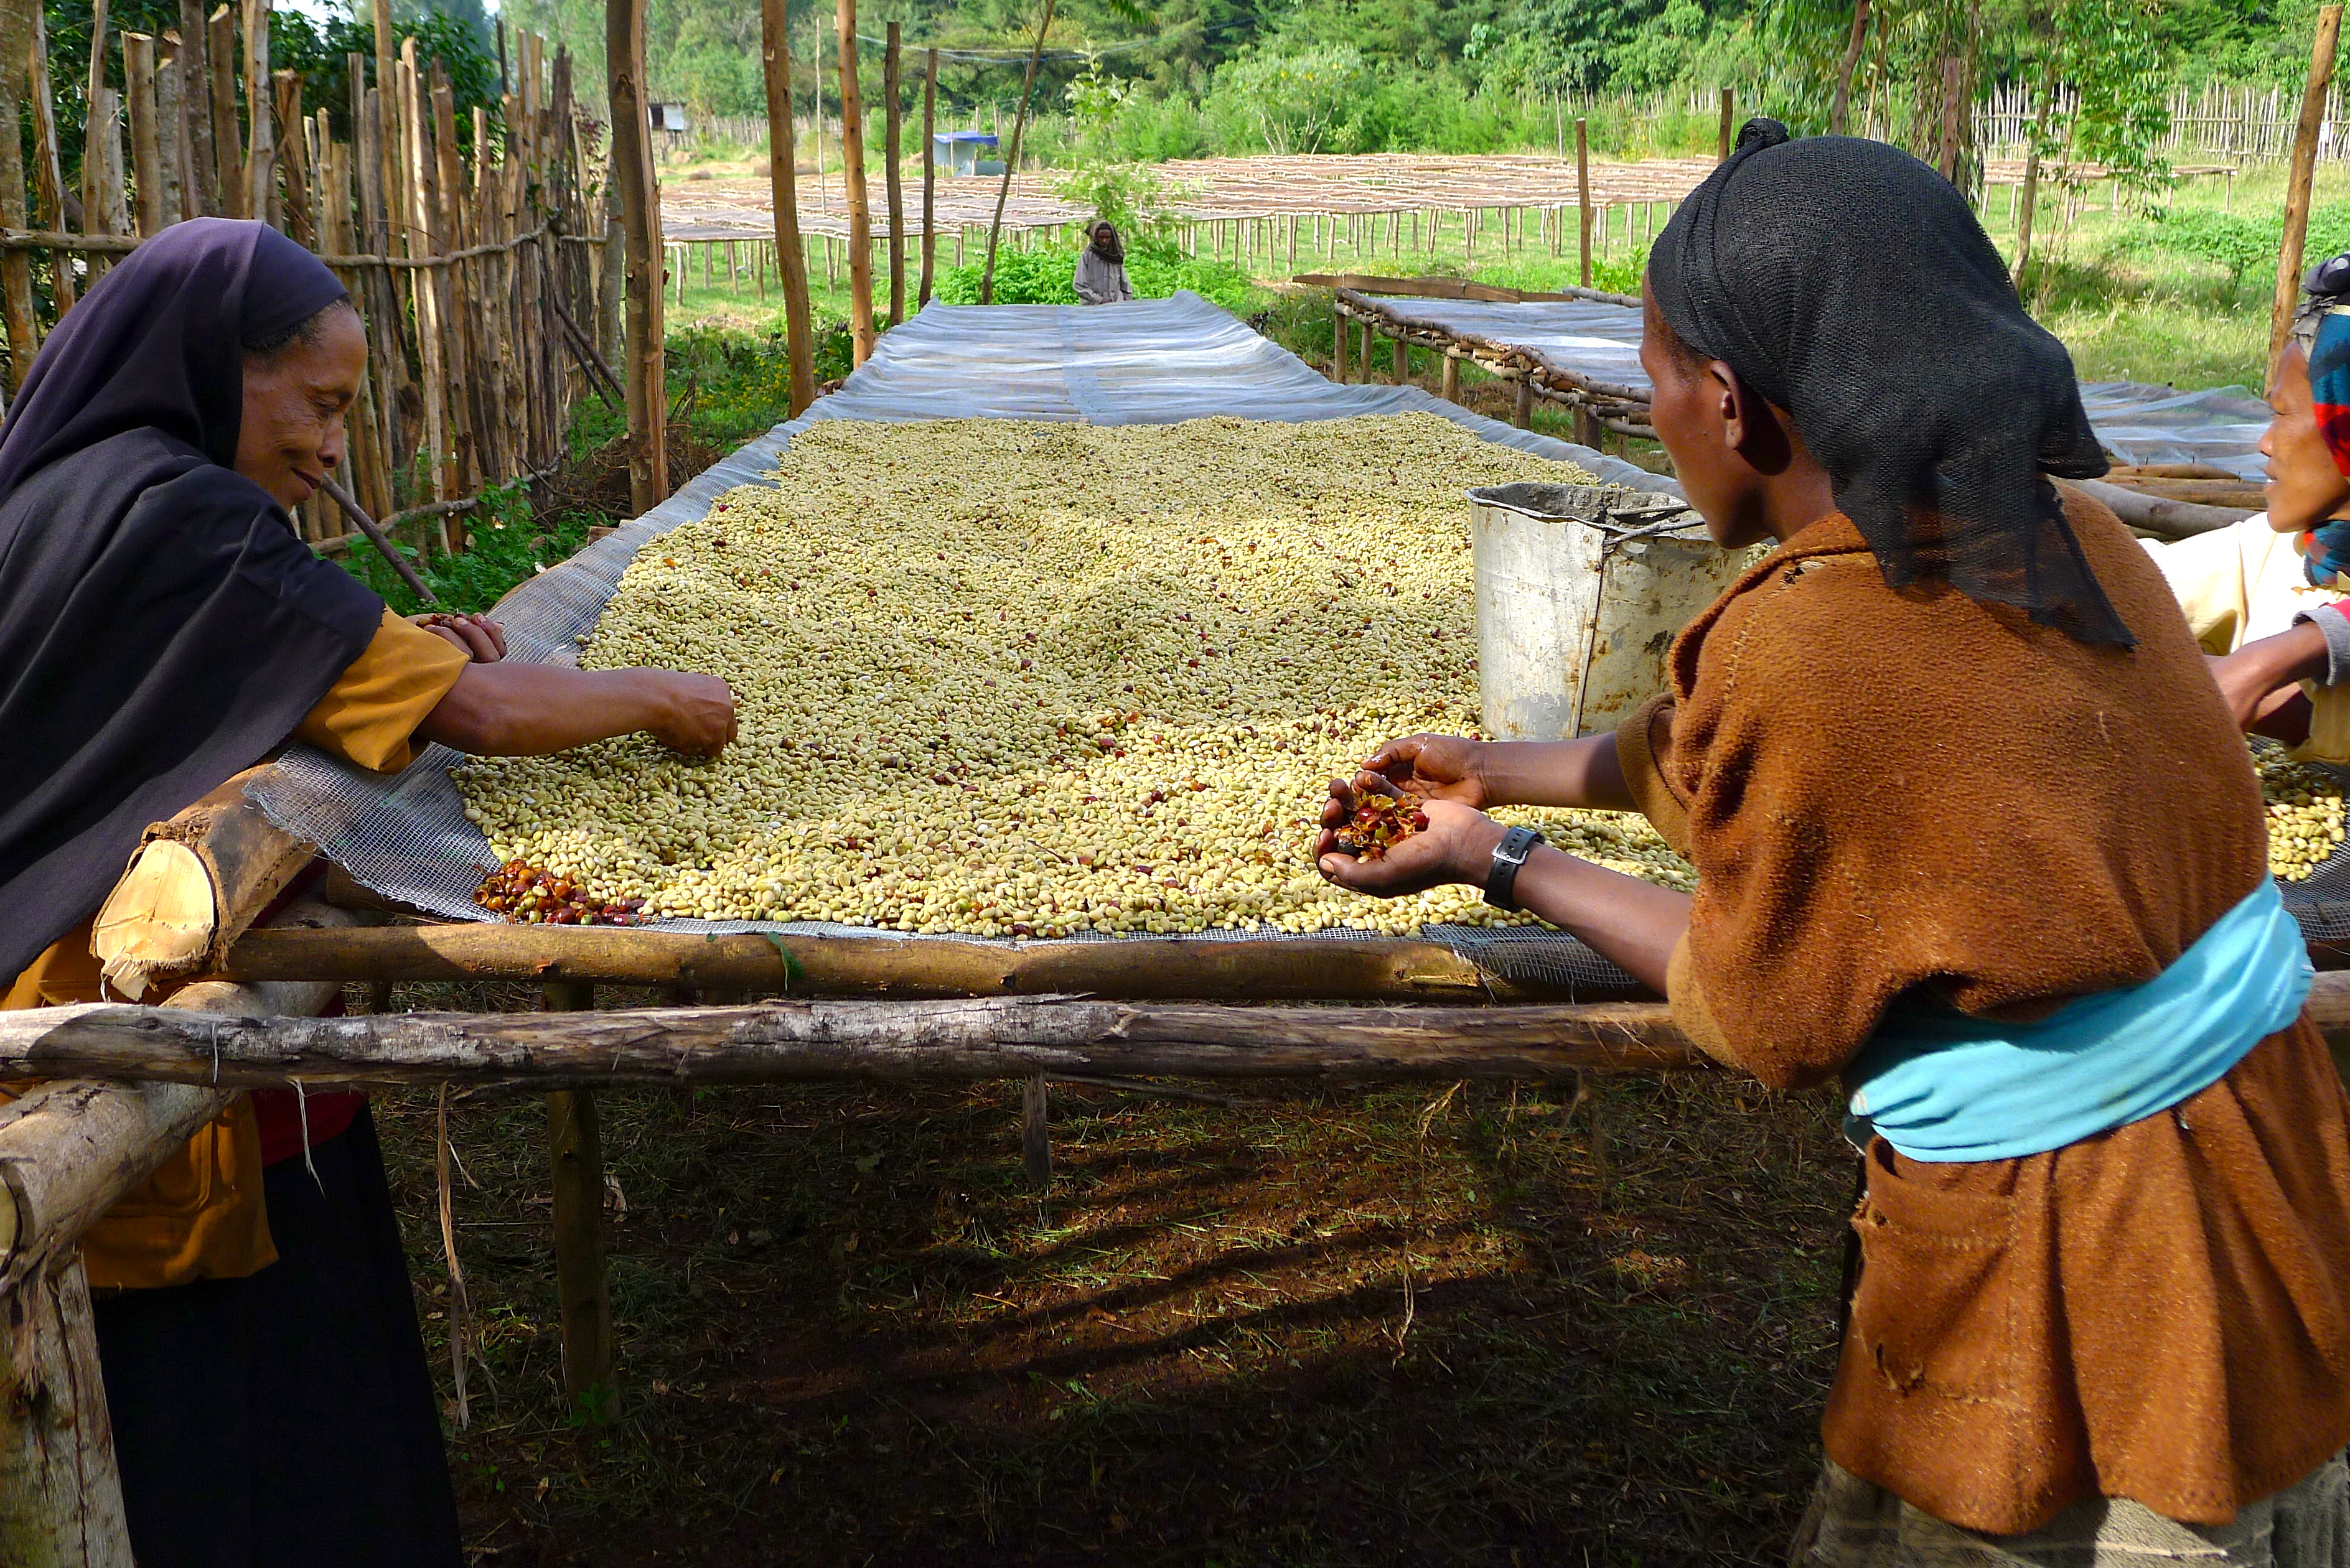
pixel 2136 423
pixel 1148 362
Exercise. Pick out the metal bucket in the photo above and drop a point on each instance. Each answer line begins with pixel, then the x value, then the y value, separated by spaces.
pixel 1580 590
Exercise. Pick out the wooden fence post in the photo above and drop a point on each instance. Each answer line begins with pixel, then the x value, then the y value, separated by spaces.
pixel 632 173
pixel 49 169
pixel 892 153
pixel 2305 164
pixel 783 183
pixel 1729 113
pixel 575 1145
pixel 261 138
pixel 60 1494
pixel 203 191
pixel 146 138
pixel 228 141
pixel 1583 193
pixel 852 185
pixel 929 174
pixel 18 18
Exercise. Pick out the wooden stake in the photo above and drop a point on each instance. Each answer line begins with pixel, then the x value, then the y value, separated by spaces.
pixel 47 171
pixel 1582 195
pixel 892 153
pixel 1339 328
pixel 195 79
pixel 783 181
pixel 1400 371
pixel 2304 165
pixel 1522 411
pixel 293 158
pixel 1011 163
pixel 228 141
pixel 19 20
pixel 1451 377
pixel 1729 112
pixel 632 172
pixel 146 141
pixel 1036 1132
pixel 853 190
pixel 575 1146
pixel 2030 201
pixel 929 175
pixel 261 140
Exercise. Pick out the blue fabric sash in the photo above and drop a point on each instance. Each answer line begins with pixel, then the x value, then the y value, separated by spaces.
pixel 1939 1085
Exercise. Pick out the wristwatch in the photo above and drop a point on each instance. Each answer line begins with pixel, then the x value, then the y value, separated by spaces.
pixel 1501 885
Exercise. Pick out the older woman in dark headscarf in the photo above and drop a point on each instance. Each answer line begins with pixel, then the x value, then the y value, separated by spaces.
pixel 1101 268
pixel 1926 757
pixel 161 628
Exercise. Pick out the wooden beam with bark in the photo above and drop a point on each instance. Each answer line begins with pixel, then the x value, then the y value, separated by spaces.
pixel 965 1041
pixel 1271 969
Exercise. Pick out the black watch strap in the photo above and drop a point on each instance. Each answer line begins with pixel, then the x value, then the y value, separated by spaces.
pixel 1501 885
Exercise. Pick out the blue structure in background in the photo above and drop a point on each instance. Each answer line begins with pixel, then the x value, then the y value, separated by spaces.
pixel 958 153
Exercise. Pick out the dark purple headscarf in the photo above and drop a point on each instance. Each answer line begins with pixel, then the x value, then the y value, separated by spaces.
pixel 161 628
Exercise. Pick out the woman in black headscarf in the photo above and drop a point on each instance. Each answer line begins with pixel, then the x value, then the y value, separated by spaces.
pixel 162 629
pixel 1100 277
pixel 1926 757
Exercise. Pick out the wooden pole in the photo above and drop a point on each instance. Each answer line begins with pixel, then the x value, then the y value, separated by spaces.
pixel 293 159
pixel 967 1040
pixel 1583 193
pixel 1274 968
pixel 893 152
pixel 195 79
pixel 1011 163
pixel 632 172
pixel 575 1147
pixel 2304 166
pixel 228 141
pixel 929 175
pixel 1339 328
pixel 261 140
pixel 852 184
pixel 783 183
pixel 18 22
pixel 48 169
pixel 146 136
pixel 2030 201
pixel 1729 112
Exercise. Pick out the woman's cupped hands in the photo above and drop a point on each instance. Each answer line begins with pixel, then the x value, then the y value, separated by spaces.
pixel 1457 845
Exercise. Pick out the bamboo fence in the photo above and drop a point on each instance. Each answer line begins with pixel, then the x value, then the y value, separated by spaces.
pixel 468 246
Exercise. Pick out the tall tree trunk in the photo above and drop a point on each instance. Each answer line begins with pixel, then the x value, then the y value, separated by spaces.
pixel 1839 112
pixel 783 180
pixel 852 189
pixel 632 172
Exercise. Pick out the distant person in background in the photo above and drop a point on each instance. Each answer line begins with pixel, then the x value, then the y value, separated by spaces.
pixel 1101 269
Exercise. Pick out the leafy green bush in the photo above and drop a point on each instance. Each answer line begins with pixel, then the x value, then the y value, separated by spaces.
pixel 1046 278
pixel 2239 244
pixel 505 550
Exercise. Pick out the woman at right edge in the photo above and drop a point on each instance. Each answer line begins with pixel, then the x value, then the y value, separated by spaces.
pixel 1930 761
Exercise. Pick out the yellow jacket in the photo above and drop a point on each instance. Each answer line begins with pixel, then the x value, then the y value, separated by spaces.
pixel 2243 583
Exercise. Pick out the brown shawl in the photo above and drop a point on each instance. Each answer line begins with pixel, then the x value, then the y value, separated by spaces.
pixel 1884 790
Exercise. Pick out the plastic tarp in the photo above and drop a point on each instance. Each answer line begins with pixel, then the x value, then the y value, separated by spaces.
pixel 1147 362
pixel 2138 422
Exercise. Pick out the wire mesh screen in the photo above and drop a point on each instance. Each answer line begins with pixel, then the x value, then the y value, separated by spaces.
pixel 1152 362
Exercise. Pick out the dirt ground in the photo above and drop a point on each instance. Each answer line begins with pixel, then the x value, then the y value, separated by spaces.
pixel 1437 1324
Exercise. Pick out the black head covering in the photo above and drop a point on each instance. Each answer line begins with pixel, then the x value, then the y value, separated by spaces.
pixel 1112 249
pixel 161 626
pixel 1847 283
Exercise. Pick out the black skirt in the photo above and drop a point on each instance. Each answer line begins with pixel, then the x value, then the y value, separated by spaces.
pixel 287 1418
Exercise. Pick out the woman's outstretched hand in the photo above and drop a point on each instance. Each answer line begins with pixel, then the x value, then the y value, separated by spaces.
pixel 1434 767
pixel 477 637
pixel 1457 845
